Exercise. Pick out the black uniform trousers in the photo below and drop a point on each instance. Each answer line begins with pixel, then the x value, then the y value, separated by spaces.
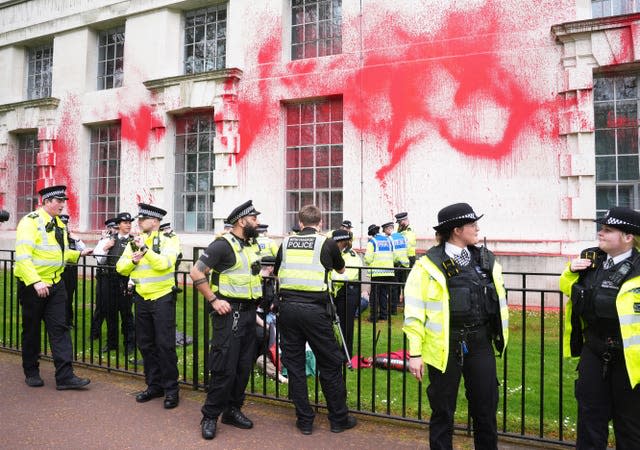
pixel 102 302
pixel 310 322
pixel 347 300
pixel 601 400
pixel 51 309
pixel 70 277
pixel 231 359
pixel 119 302
pixel 481 389
pixel 156 339
pixel 380 297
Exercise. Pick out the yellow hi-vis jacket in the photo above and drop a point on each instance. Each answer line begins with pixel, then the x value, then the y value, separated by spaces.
pixel 426 311
pixel 379 254
pixel 411 239
pixel 237 282
pixel 38 254
pixel 301 268
pixel 153 276
pixel 266 246
pixel 351 272
pixel 628 307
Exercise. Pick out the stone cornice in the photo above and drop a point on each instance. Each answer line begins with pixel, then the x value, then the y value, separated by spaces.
pixel 47 102
pixel 215 75
pixel 567 29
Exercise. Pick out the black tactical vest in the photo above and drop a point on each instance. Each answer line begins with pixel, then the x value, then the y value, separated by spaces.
pixel 472 293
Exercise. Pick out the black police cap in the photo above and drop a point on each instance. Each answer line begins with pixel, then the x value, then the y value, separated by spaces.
pixel 622 218
pixel 59 192
pixel 146 210
pixel 455 215
pixel 373 229
pixel 246 209
pixel 123 217
pixel 340 235
pixel 401 216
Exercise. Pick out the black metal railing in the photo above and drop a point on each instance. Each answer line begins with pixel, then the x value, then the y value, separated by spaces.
pixel 533 374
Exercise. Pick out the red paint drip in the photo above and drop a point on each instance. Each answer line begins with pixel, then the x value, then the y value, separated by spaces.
pixel 65 148
pixel 140 126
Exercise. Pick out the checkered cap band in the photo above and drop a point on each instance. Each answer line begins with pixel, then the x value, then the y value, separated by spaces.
pixel 249 210
pixel 471 216
pixel 56 193
pixel 614 221
pixel 344 237
pixel 149 213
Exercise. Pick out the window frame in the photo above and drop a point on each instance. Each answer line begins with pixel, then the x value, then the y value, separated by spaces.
pixel 316 28
pixel 37 71
pixel 314 150
pixel 215 43
pixel 204 198
pixel 616 135
pixel 26 160
pixel 104 201
pixel 110 78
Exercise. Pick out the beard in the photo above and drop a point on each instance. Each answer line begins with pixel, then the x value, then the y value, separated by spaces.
pixel 250 232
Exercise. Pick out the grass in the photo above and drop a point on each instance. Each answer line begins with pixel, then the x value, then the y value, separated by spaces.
pixel 531 373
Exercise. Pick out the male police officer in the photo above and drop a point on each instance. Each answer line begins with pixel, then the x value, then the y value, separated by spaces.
pixel 302 264
pixel 402 219
pixel 42 249
pixel 149 260
pixel 347 295
pixel 233 294
pixel 266 245
pixel 114 289
pixel 379 256
pixel 602 327
pixel 400 262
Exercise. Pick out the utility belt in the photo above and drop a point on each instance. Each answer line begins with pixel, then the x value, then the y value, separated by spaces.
pixel 608 349
pixel 461 335
pixel 242 305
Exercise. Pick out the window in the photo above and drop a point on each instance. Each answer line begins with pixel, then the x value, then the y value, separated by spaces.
pixel 110 58
pixel 616 137
pixel 104 176
pixel 194 197
pixel 316 28
pixel 605 8
pixel 205 39
pixel 40 60
pixel 314 160
pixel 27 199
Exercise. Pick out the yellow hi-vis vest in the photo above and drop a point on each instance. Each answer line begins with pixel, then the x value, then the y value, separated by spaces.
pixel 412 241
pixel 301 268
pixel 38 254
pixel 351 272
pixel 426 312
pixel 379 254
pixel 628 307
pixel 266 246
pixel 237 282
pixel 153 276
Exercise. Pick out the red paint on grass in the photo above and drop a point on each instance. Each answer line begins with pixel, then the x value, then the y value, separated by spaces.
pixel 140 126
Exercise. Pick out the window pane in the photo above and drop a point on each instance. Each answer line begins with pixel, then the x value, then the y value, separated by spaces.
pixel 602 89
pixel 605 168
pixel 626 88
pixel 627 141
pixel 605 142
pixel 604 115
pixel 605 197
pixel 104 174
pixel 626 196
pixel 628 168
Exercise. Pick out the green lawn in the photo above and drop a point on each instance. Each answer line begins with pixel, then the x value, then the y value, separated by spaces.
pixel 542 376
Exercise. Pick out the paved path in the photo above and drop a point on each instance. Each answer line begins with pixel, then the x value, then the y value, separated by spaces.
pixel 106 416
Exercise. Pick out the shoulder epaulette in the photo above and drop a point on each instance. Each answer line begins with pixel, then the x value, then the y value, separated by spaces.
pixel 33 215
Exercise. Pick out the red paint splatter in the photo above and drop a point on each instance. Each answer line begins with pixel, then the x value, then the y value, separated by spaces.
pixel 140 126
pixel 386 95
pixel 65 149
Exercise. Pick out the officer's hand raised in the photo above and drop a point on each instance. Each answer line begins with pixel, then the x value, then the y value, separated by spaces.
pixel 579 264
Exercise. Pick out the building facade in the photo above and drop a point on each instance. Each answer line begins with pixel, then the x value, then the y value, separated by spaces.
pixel 528 111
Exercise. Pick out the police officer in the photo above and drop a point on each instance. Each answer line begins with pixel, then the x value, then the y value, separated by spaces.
pixel 149 260
pixel 42 249
pixel 113 290
pixel 302 265
pixel 455 307
pixel 379 256
pixel 102 306
pixel 233 294
pixel 347 295
pixel 345 225
pixel 602 327
pixel 265 244
pixel 70 274
pixel 400 262
pixel 402 219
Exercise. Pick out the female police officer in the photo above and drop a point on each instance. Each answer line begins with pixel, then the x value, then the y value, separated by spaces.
pixel 602 327
pixel 455 306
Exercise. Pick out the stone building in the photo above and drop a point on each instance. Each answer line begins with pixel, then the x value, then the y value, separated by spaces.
pixel 526 110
